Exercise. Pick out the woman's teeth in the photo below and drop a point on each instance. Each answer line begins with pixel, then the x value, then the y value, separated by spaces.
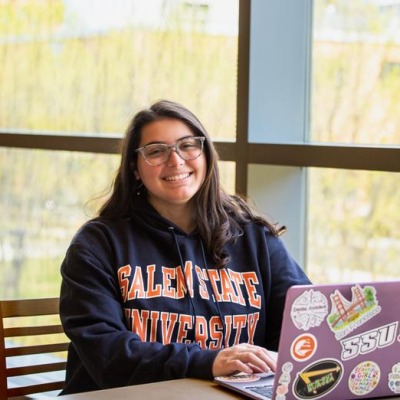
pixel 177 177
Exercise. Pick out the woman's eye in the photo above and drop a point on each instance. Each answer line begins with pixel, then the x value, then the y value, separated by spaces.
pixel 187 145
pixel 155 151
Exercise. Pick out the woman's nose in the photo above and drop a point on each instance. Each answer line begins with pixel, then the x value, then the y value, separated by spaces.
pixel 174 158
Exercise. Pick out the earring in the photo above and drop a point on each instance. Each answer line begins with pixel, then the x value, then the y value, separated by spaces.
pixel 139 188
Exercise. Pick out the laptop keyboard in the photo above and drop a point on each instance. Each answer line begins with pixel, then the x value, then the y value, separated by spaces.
pixel 262 390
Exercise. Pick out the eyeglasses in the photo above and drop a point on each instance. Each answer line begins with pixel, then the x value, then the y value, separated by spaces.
pixel 188 148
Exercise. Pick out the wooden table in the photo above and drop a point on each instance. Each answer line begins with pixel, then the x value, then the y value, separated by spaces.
pixel 188 389
pixel 180 389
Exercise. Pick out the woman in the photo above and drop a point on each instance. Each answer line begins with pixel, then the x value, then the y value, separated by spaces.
pixel 175 278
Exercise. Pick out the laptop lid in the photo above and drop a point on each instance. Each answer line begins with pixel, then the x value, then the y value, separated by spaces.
pixel 338 341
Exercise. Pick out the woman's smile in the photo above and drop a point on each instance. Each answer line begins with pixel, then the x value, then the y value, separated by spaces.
pixel 180 177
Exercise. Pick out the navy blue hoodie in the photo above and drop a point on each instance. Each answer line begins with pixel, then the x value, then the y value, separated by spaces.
pixel 142 302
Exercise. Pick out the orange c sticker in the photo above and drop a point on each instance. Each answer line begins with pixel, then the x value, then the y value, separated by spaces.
pixel 303 347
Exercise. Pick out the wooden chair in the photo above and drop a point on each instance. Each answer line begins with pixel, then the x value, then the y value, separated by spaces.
pixel 30 328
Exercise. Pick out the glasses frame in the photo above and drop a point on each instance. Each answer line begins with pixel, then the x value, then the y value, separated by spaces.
pixel 170 147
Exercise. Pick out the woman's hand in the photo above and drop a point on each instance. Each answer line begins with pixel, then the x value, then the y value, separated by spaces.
pixel 246 358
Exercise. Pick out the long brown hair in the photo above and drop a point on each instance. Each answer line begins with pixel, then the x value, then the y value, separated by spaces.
pixel 219 215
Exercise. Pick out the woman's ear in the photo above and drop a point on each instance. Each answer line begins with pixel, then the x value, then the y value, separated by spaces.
pixel 135 171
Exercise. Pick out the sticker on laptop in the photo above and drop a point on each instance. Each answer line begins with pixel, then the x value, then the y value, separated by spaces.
pixel 394 379
pixel 348 314
pixel 309 310
pixel 303 347
pixel 282 390
pixel 364 378
pixel 245 378
pixel 318 379
pixel 284 380
pixel 366 342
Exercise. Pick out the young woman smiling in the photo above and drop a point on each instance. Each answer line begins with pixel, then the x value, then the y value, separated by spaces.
pixel 175 278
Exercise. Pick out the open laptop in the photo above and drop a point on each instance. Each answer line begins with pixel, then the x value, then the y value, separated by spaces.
pixel 338 342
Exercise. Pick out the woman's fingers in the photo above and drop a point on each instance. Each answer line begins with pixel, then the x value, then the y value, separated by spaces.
pixel 244 358
pixel 257 358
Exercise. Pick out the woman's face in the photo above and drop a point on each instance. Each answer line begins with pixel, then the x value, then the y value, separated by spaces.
pixel 175 182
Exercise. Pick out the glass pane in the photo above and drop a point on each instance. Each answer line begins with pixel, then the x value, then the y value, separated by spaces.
pixel 88 65
pixel 354 226
pixel 45 197
pixel 227 170
pixel 356 72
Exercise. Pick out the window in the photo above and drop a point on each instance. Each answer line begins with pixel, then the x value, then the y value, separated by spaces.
pixel 74 72
pixel 47 195
pixel 356 47
pixel 353 223
pixel 355 92
pixel 86 66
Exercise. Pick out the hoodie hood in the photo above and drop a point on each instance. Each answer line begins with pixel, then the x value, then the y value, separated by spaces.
pixel 151 217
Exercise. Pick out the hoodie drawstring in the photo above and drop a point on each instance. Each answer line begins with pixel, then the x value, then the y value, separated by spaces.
pixel 215 297
pixel 191 303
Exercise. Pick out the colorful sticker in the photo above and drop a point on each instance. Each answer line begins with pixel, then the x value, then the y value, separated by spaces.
pixel 309 310
pixel 282 390
pixel 303 347
pixel 364 378
pixel 394 379
pixel 366 342
pixel 284 380
pixel 318 379
pixel 348 315
pixel 287 367
pixel 238 378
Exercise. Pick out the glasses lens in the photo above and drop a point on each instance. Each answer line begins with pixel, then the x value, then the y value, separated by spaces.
pixel 156 154
pixel 190 148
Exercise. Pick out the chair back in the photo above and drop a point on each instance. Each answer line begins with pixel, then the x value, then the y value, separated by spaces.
pixel 32 347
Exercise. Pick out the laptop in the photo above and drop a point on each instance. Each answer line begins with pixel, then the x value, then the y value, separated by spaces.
pixel 338 342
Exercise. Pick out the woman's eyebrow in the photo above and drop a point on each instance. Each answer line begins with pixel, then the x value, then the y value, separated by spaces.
pixel 154 142
pixel 160 142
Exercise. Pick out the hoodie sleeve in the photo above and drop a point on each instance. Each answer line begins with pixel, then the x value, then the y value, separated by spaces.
pixel 92 314
pixel 284 272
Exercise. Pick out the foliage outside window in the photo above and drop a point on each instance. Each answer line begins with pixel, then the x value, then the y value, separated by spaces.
pixel 85 67
pixel 354 216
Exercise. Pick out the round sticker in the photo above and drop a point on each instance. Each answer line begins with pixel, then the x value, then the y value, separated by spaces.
pixel 287 367
pixel 394 379
pixel 364 378
pixel 309 310
pixel 303 347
